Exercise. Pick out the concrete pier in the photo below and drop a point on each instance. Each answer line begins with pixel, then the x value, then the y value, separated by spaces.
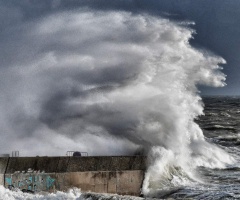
pixel 103 174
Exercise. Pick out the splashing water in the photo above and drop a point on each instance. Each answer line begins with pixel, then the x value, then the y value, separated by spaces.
pixel 108 75
pixel 72 194
pixel 6 194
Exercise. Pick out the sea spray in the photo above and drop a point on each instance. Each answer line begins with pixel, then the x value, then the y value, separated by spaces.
pixel 111 82
pixel 72 194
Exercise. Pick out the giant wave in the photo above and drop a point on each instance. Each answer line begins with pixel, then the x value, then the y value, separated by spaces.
pixel 131 79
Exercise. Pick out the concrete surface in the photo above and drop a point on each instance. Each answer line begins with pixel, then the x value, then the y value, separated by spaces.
pixel 106 174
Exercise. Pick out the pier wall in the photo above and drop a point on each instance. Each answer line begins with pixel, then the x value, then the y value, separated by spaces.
pixel 3 167
pixel 105 174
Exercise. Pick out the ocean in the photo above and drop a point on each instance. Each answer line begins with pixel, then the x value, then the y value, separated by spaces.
pixel 221 128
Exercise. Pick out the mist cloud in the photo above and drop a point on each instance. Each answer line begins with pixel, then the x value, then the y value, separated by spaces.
pixel 100 81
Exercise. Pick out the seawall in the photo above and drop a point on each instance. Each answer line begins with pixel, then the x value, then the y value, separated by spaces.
pixel 103 174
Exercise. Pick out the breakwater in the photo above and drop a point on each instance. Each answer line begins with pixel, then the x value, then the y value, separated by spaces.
pixel 103 174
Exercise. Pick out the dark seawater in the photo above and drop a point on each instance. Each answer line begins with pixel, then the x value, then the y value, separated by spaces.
pixel 221 126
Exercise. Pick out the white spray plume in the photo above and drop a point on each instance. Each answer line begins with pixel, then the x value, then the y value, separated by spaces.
pixel 108 82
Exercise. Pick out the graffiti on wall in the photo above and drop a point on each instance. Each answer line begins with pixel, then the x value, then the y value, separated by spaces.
pixel 30 181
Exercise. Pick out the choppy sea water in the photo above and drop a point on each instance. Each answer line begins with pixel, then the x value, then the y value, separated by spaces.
pixel 221 127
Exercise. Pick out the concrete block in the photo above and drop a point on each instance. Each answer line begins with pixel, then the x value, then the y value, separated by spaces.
pixel 46 164
pixel 62 164
pixel 81 164
pixel 1 179
pixel 112 183
pixel 20 164
pixel 32 181
pixel 138 163
pixel 117 174
pixel 103 163
pixel 3 164
pixel 129 182
pixel 61 183
pixel 120 163
pixel 83 180
pixel 101 181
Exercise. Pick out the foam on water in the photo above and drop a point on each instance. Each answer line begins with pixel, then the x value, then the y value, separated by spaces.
pixel 6 194
pixel 72 194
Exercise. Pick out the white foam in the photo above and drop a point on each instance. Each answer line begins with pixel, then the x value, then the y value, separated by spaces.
pixel 6 194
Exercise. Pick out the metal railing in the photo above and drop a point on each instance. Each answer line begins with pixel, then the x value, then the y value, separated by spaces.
pixel 70 153
pixel 15 153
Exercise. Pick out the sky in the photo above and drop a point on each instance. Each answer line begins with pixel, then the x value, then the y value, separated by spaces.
pixel 216 24
pixel 79 71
